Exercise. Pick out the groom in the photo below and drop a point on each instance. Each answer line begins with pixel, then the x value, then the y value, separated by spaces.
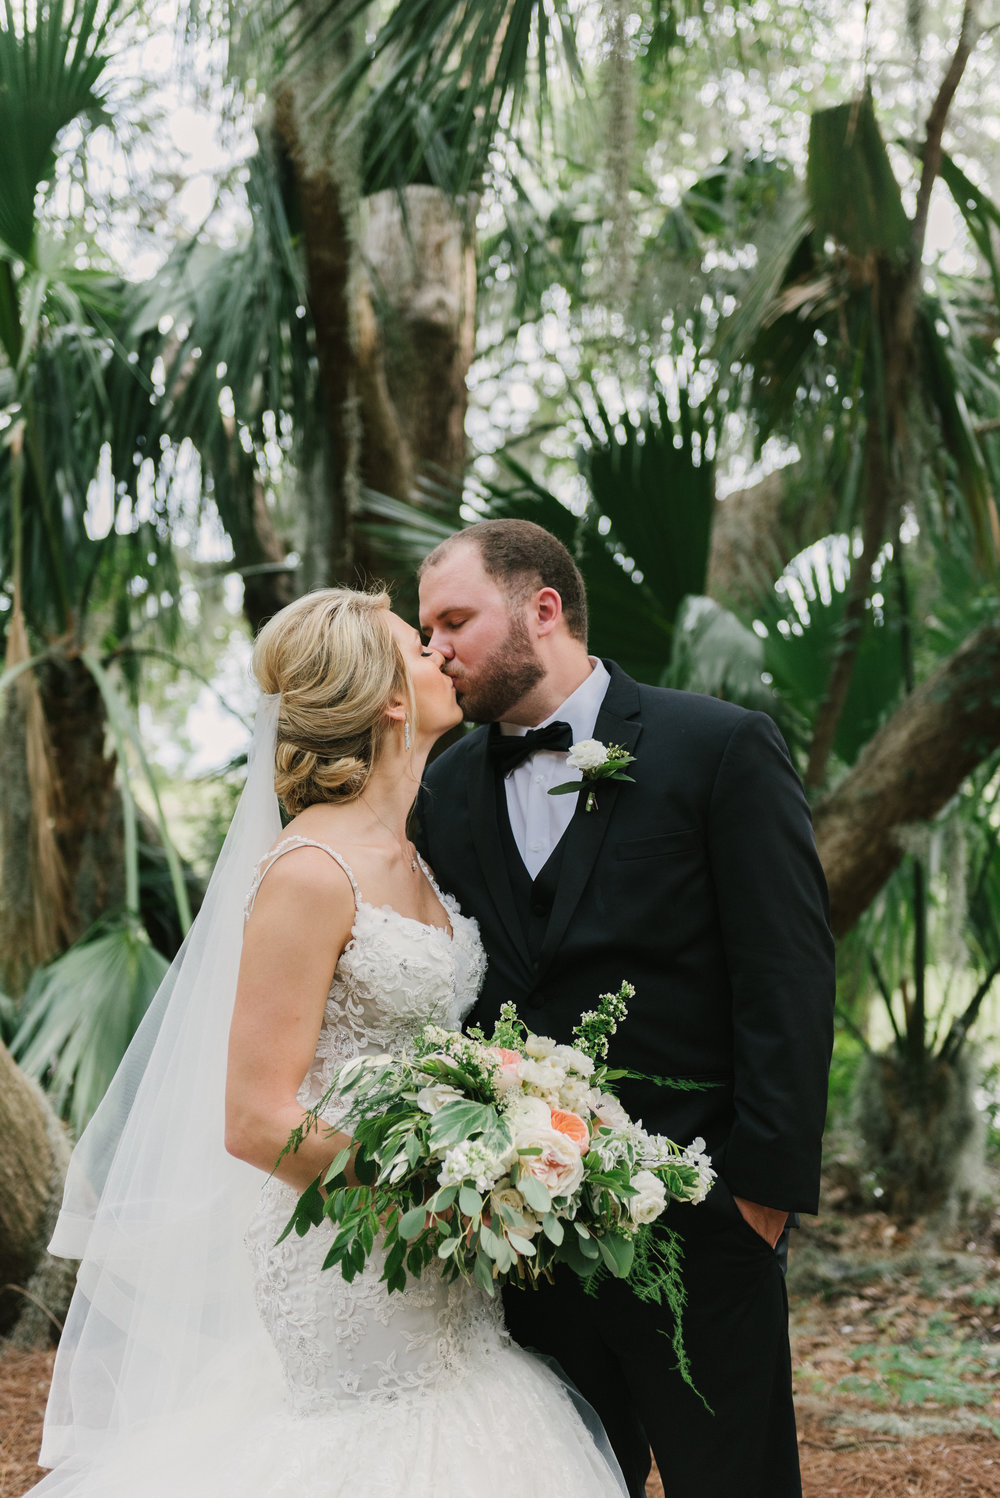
pixel 699 883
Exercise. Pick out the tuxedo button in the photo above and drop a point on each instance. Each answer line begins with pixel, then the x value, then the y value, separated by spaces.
pixel 539 905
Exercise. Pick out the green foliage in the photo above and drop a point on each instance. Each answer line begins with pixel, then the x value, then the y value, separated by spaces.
pixel 81 1011
pixel 642 540
pixel 853 193
pixel 432 82
pixel 937 1369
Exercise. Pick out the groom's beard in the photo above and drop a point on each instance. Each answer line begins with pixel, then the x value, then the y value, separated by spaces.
pixel 507 674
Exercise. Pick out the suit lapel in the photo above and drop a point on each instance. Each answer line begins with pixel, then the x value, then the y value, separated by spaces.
pixel 617 723
pixel 489 848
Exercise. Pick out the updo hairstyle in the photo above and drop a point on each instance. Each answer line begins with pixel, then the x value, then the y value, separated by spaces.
pixel 336 663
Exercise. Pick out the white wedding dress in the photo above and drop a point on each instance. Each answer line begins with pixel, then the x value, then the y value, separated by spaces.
pixel 418 1394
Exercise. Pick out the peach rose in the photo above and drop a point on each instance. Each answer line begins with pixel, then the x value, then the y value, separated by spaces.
pixel 559 1166
pixel 510 1067
pixel 570 1124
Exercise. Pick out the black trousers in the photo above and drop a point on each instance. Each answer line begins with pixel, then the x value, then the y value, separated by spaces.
pixel 613 1347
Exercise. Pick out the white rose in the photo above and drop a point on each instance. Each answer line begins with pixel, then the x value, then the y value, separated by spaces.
pixel 650 1198
pixel 588 754
pixel 539 1046
pixel 510 1197
pixel 559 1167
pixel 543 1077
pixel 430 1099
pixel 568 1057
pixel 609 1110
pixel 527 1112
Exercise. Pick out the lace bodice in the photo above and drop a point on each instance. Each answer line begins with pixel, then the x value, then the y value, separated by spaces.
pixel 339 1340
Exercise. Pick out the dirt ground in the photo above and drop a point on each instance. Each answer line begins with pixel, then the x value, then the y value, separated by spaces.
pixel 896 1344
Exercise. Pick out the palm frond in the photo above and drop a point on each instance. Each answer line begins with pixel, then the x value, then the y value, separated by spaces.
pixel 52 60
pixel 430 81
pixel 80 1013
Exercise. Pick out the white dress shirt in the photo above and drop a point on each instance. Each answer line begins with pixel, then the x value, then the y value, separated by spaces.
pixel 537 819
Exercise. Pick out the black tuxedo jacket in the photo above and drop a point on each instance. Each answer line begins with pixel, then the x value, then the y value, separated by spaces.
pixel 700 884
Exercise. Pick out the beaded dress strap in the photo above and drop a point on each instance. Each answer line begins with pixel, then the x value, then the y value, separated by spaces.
pixel 286 846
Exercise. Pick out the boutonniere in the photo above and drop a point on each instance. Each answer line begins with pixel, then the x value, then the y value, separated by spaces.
pixel 595 761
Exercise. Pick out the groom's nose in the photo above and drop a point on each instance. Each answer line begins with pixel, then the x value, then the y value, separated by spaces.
pixel 439 643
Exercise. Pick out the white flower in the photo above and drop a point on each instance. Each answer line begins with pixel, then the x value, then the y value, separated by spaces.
pixel 472 1161
pixel 510 1197
pixel 568 1057
pixel 695 1155
pixel 430 1099
pixel 525 1112
pixel 609 1110
pixel 543 1077
pixel 539 1046
pixel 574 1094
pixel 650 1198
pixel 559 1167
pixel 588 754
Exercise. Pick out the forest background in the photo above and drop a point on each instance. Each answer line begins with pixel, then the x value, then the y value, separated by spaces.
pixel 710 290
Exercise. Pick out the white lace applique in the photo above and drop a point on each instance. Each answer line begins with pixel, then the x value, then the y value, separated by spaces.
pixel 338 1341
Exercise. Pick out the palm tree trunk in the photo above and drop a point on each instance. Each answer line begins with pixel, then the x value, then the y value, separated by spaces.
pixel 34 1289
pixel 89 823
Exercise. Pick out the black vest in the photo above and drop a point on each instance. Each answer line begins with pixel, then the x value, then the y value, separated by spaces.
pixel 533 896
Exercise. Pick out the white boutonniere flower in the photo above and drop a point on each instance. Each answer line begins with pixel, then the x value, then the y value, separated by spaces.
pixel 595 761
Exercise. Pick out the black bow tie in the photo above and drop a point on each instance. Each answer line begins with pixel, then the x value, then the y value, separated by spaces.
pixel 508 750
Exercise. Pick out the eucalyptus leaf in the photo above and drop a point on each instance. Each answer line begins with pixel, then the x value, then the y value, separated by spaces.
pixel 469 1201
pixel 413 1222
pixel 552 1228
pixel 535 1194
pixel 521 1245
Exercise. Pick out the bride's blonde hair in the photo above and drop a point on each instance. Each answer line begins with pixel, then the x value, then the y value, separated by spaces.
pixel 336 663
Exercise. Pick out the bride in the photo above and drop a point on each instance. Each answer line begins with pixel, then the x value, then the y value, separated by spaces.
pixel 201 1358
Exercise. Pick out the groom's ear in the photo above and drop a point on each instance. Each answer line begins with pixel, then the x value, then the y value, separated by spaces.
pixel 548 610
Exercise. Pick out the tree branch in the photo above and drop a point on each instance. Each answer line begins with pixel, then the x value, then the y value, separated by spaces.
pixel 967 38
pixel 913 765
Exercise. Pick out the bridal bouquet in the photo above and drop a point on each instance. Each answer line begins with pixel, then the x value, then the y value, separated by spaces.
pixel 500 1158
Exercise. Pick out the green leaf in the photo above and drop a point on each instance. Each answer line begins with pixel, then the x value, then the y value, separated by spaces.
pixel 335 1169
pixel 588 1246
pixel 490 1241
pixel 81 1011
pixel 469 1201
pixel 442 1199
pixel 483 1273
pixel 617 1253
pixel 461 1120
pixel 552 1228
pixel 534 1193
pixel 449 1247
pixel 521 1245
pixel 854 195
pixel 413 1222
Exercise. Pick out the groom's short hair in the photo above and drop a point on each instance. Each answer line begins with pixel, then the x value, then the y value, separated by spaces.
pixel 523 557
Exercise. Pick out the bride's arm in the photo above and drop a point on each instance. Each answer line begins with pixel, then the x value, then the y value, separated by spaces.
pixel 300 924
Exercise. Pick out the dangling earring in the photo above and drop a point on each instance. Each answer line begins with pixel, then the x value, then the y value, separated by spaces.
pixel 406 733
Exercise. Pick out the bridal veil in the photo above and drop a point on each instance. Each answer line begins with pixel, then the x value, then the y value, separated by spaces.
pixel 154 1207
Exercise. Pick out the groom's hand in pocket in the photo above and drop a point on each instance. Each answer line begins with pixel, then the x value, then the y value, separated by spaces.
pixel 768 1222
